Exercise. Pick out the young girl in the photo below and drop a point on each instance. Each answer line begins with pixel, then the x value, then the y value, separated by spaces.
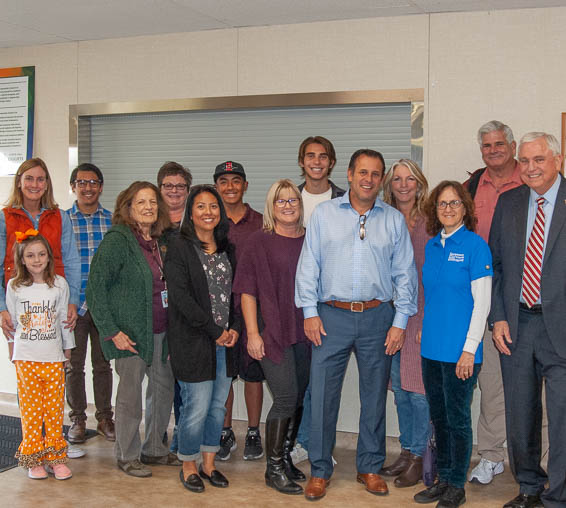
pixel 37 301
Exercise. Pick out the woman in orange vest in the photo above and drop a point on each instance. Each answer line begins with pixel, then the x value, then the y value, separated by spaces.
pixel 32 206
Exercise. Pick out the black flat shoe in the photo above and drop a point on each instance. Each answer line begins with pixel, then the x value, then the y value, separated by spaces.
pixel 524 501
pixel 192 483
pixel 216 478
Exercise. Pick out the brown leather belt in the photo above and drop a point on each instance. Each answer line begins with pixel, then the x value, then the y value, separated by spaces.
pixel 355 306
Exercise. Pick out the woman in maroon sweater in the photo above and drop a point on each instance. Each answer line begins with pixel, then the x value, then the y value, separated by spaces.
pixel 266 280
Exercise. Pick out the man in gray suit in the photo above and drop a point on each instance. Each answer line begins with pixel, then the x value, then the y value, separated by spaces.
pixel 528 242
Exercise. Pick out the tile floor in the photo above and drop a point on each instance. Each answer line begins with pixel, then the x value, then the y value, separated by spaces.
pixel 97 482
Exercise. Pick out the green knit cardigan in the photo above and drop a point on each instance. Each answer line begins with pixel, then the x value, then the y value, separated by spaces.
pixel 119 294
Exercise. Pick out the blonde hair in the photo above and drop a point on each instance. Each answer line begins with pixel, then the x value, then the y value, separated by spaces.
pixel 16 199
pixel 422 186
pixel 22 276
pixel 272 195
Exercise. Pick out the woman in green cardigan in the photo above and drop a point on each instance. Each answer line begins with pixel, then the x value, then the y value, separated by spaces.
pixel 127 297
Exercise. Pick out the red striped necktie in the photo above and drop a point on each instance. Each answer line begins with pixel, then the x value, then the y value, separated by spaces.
pixel 533 259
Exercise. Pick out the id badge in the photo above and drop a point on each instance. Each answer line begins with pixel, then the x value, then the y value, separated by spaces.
pixel 164 300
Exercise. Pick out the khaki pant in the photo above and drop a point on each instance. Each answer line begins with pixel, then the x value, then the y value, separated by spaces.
pixel 158 404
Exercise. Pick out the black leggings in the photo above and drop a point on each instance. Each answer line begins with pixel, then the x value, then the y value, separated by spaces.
pixel 288 380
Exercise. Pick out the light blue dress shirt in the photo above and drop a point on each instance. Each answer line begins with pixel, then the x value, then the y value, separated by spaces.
pixel 69 254
pixel 548 208
pixel 335 264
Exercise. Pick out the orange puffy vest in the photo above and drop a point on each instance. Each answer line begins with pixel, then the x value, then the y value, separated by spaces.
pixel 50 226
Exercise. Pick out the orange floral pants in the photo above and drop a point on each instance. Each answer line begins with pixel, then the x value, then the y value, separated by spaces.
pixel 41 394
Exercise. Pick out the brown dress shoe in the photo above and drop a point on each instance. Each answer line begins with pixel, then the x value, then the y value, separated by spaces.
pixel 77 432
pixel 412 475
pixel 398 466
pixel 106 428
pixel 316 488
pixel 374 483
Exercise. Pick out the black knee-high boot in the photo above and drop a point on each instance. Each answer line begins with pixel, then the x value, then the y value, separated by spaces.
pixel 275 476
pixel 293 473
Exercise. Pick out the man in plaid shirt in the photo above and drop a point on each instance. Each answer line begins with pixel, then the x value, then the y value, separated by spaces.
pixel 90 222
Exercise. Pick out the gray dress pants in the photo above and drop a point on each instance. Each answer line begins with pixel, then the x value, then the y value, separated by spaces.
pixel 158 404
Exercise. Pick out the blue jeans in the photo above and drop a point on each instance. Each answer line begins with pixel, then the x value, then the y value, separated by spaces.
pixel 365 333
pixel 202 412
pixel 450 402
pixel 305 427
pixel 412 412
pixel 177 410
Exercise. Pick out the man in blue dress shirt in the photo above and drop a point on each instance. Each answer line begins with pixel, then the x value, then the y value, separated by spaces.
pixel 357 285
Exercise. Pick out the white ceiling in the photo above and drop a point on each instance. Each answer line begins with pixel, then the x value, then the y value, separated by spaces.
pixel 32 22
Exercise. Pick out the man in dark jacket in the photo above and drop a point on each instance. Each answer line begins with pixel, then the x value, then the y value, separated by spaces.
pixel 317 158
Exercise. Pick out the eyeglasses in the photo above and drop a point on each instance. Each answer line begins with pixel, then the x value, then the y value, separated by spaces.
pixel 39 180
pixel 280 203
pixel 179 186
pixel 83 183
pixel 454 204
pixel 362 226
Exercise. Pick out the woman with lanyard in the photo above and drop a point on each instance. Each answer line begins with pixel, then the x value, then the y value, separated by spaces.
pixel 127 297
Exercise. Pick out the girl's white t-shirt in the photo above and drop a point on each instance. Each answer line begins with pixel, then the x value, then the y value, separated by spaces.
pixel 38 312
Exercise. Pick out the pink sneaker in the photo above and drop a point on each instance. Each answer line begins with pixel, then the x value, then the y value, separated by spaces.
pixel 37 473
pixel 61 472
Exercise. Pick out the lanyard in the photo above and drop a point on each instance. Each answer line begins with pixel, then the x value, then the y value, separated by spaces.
pixel 157 256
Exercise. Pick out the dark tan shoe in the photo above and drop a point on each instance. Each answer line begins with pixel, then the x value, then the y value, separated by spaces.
pixel 398 466
pixel 106 428
pixel 316 488
pixel 412 475
pixel 77 432
pixel 374 483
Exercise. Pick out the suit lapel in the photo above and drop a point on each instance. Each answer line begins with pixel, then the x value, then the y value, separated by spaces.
pixel 558 218
pixel 520 212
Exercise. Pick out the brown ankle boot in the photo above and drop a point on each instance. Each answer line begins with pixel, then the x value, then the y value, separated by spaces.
pixel 398 466
pixel 413 474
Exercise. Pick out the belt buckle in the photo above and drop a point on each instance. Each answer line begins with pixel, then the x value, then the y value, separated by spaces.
pixel 353 308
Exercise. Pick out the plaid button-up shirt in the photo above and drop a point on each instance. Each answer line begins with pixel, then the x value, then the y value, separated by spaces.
pixel 89 231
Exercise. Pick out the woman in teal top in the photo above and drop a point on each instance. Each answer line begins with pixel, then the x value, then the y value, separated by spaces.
pixel 457 276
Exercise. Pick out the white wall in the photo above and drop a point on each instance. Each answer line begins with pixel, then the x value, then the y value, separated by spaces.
pixel 474 67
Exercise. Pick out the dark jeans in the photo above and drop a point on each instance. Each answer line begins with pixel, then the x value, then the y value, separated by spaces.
pixel 287 380
pixel 101 373
pixel 450 400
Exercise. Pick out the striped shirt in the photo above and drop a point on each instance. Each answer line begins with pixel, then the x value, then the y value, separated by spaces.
pixel 89 230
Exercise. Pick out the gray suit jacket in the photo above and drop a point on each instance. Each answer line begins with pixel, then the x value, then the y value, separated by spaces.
pixel 507 241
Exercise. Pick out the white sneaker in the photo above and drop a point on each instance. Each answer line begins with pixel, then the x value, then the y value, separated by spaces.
pixel 485 471
pixel 299 454
pixel 75 452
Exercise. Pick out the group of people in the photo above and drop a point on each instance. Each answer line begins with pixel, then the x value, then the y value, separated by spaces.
pixel 189 286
